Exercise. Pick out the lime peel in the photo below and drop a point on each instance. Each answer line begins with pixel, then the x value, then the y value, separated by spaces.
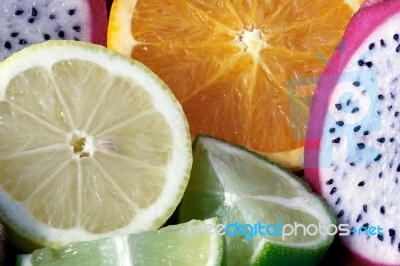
pixel 238 185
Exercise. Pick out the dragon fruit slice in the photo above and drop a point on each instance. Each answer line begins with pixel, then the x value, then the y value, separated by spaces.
pixel 352 156
pixel 25 22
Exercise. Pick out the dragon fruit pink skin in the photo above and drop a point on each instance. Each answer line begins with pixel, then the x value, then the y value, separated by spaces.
pixel 25 22
pixel 98 21
pixel 351 154
pixel 370 2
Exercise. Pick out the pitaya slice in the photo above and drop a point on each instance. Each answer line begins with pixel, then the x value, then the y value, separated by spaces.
pixel 352 156
pixel 25 22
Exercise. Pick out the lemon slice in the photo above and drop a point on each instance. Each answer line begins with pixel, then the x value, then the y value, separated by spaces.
pixel 171 245
pixel 93 145
pixel 259 204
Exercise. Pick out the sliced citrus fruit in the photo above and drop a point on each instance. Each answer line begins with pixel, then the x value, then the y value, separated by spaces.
pixel 244 190
pixel 171 245
pixel 93 144
pixel 244 71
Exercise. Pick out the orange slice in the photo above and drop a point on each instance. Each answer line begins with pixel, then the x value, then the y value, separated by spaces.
pixel 243 70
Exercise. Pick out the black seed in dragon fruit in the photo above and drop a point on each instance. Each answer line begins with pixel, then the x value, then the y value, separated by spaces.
pixel 26 22
pixel 352 152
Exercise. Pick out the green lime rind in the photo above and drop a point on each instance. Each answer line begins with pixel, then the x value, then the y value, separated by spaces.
pixel 171 245
pixel 206 197
pixel 278 255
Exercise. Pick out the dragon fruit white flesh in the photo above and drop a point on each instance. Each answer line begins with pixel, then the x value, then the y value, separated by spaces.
pixel 352 152
pixel 25 22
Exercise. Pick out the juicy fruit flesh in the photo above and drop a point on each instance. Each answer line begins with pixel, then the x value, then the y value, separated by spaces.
pixel 237 186
pixel 230 64
pixel 95 170
pixel 23 23
pixel 169 246
pixel 94 145
pixel 359 165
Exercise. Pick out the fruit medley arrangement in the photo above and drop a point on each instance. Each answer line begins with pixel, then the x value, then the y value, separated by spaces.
pixel 165 132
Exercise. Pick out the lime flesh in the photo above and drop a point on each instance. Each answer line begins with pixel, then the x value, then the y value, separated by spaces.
pixel 241 187
pixel 171 245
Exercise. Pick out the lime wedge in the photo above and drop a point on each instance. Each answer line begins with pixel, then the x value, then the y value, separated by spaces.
pixel 171 245
pixel 240 187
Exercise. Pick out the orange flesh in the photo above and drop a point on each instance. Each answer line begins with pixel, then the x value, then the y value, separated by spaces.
pixel 230 63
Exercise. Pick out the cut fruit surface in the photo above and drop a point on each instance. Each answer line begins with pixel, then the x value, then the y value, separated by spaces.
pixel 243 70
pixel 352 147
pixel 171 245
pixel 24 22
pixel 241 187
pixel 93 144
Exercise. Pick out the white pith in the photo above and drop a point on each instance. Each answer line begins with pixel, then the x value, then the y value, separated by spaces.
pixel 214 252
pixel 176 170
pixel 88 147
pixel 377 191
pixel 123 251
pixel 252 42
